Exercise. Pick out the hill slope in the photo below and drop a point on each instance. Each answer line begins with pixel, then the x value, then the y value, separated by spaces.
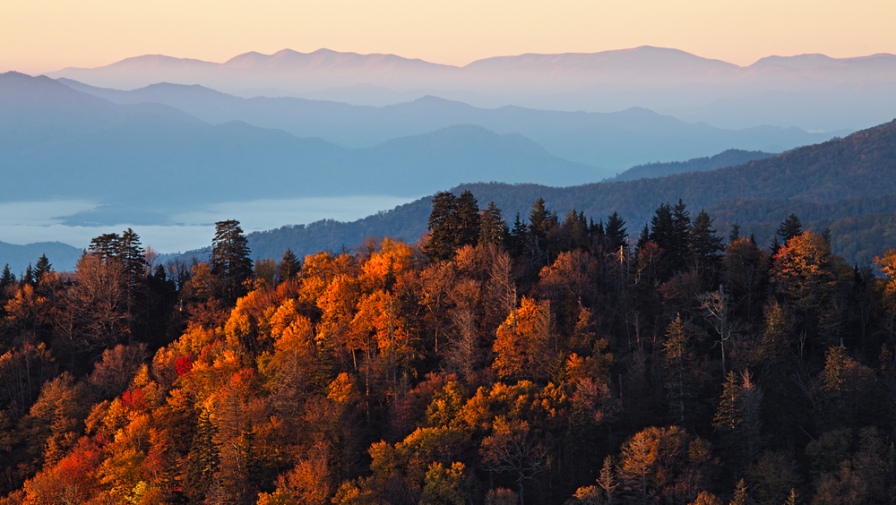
pixel 854 176
pixel 729 158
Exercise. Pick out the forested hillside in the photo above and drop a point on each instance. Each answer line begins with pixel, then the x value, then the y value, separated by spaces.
pixel 729 158
pixel 544 360
pixel 837 181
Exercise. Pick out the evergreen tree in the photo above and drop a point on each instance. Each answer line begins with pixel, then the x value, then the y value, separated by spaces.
pixel 679 369
pixel 493 229
pixel 643 237
pixel 734 234
pixel 681 226
pixel 519 236
pixel 42 268
pixel 289 266
pixel 7 278
pixel 789 228
pixel 705 246
pixel 729 417
pixel 740 494
pixel 442 226
pixel 204 457
pixel 28 277
pixel 774 247
pixel 662 230
pixel 105 245
pixel 615 232
pixel 539 220
pixel 467 220
pixel 230 260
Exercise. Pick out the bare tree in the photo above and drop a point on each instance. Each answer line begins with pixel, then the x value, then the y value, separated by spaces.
pixel 514 448
pixel 716 307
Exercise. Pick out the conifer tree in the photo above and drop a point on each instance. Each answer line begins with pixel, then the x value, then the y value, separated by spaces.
pixel 519 236
pixel 681 226
pixel 204 458
pixel 734 234
pixel 28 277
pixel 230 259
pixel 615 232
pixel 42 268
pixel 442 226
pixel 467 220
pixel 289 266
pixel 493 229
pixel 740 494
pixel 789 228
pixel 705 246
pixel 679 368
pixel 7 278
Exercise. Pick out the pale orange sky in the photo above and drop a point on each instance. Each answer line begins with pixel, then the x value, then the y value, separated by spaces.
pixel 45 35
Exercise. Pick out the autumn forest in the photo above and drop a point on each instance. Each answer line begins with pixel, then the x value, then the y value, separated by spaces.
pixel 544 358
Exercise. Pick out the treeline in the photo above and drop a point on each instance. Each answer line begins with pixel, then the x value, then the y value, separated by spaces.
pixel 543 359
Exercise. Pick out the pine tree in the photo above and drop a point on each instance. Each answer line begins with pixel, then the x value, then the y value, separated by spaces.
pixel 493 229
pixel 679 368
pixel 289 266
pixel 729 418
pixel 681 226
pixel 467 220
pixel 740 494
pixel 230 259
pixel 705 246
pixel 204 458
pixel 7 278
pixel 519 236
pixel 28 277
pixel 615 232
pixel 42 268
pixel 734 234
pixel 104 245
pixel 789 228
pixel 442 226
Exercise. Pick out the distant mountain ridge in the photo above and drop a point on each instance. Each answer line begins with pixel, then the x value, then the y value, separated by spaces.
pixel 153 155
pixel 615 141
pixel 810 91
pixel 729 158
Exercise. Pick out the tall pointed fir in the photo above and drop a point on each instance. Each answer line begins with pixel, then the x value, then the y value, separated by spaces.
pixel 705 247
pixel 289 266
pixel 492 227
pixel 7 278
pixel 42 268
pixel 467 220
pixel 615 232
pixel 442 226
pixel 680 364
pixel 230 260
pixel 789 228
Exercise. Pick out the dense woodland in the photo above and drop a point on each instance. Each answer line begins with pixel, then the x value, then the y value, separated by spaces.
pixel 545 358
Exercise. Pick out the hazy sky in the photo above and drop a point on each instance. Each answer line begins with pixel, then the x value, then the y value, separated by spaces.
pixel 45 35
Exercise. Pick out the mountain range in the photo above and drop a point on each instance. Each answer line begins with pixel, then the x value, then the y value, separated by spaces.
pixel 611 141
pixel 810 91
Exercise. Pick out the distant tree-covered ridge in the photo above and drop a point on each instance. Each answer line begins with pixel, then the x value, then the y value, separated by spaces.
pixel 539 359
pixel 839 180
pixel 729 158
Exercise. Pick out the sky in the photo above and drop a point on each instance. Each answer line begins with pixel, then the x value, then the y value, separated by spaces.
pixel 45 35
